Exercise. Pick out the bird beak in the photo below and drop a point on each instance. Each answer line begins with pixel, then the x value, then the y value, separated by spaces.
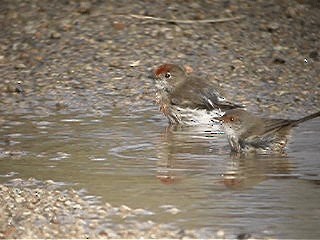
pixel 218 119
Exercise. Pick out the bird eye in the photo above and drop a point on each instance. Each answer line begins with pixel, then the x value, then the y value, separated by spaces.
pixel 231 119
pixel 168 75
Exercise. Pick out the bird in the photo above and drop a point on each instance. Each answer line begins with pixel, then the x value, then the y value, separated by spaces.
pixel 188 99
pixel 247 132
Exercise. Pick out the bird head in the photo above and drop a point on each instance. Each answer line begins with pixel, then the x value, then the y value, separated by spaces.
pixel 234 121
pixel 168 76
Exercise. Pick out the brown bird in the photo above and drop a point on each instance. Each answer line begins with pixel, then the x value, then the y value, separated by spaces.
pixel 188 99
pixel 247 132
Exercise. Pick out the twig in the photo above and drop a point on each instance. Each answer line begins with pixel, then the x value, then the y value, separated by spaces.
pixel 218 20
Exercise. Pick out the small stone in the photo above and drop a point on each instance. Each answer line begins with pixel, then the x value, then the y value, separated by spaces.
pixel 55 35
pixel 124 208
pixel 294 11
pixel 280 48
pixel 173 211
pixel 280 93
pixel 20 66
pixel 274 109
pixel 54 220
pixel 50 182
pixel 20 199
pixel 108 205
pixel 279 60
pixel 140 211
pixel 119 25
pixel 88 67
pixel 314 55
pixel 68 202
pixel 135 63
pixel 84 7
pixel 4 188
pixel 273 26
pixel 188 69
pixel 291 12
pixel 242 236
pixel 61 105
pixel 168 35
pixel 220 233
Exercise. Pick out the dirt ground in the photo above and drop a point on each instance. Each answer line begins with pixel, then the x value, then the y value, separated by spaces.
pixel 268 60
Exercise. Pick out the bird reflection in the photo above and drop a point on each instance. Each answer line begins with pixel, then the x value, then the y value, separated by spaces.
pixel 178 150
pixel 248 170
pixel 186 153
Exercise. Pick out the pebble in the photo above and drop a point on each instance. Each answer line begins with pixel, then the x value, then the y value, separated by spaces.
pixel 125 209
pixel 84 7
pixel 55 35
pixel 314 55
pixel 20 66
pixel 273 26
pixel 220 234
pixel 279 60
pixel 173 211
pixel 242 236
pixel 119 25
pixel 140 211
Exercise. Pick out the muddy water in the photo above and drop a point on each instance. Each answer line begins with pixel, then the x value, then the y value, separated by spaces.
pixel 184 177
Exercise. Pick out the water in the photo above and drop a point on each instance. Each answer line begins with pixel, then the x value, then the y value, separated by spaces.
pixel 184 177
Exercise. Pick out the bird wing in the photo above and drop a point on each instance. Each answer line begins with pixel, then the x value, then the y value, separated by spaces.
pixel 273 125
pixel 201 94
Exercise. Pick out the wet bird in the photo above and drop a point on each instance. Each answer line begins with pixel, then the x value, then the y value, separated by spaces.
pixel 188 99
pixel 247 132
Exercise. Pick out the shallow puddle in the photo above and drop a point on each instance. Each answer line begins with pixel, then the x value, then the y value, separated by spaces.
pixel 185 177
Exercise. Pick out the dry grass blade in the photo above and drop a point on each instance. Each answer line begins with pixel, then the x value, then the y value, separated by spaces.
pixel 218 20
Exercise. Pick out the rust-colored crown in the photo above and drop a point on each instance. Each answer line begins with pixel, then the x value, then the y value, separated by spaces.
pixel 163 69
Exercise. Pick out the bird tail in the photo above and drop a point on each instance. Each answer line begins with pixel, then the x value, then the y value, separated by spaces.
pixel 311 116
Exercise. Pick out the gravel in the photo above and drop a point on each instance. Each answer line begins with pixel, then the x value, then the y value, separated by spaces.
pixel 34 209
pixel 30 208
